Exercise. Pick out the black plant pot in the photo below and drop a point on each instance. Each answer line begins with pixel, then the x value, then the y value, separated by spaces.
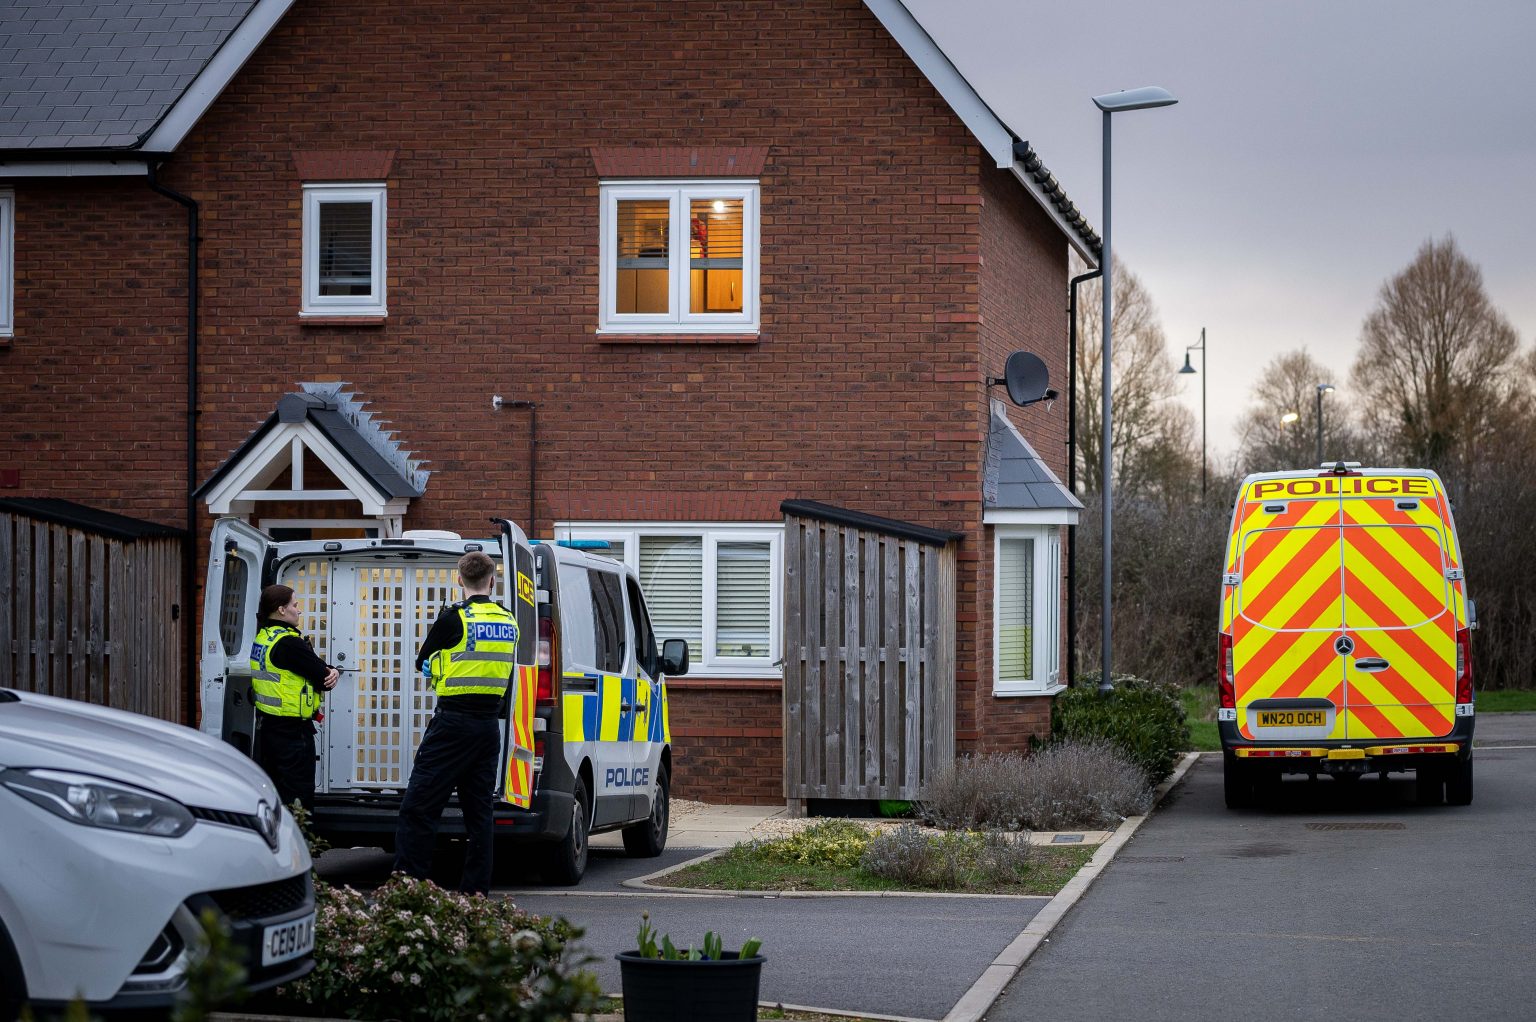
pixel 656 990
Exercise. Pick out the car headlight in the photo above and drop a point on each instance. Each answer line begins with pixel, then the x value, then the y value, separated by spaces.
pixel 94 802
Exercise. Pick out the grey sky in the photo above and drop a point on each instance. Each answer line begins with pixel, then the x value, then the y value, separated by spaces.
pixel 1316 145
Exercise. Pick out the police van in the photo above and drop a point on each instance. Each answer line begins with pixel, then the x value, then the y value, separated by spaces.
pixel 1345 644
pixel 586 745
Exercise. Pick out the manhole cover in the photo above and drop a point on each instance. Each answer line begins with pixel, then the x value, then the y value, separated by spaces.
pixel 1151 858
pixel 1356 826
pixel 1066 839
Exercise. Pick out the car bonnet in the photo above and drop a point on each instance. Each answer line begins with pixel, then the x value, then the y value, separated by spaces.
pixel 60 734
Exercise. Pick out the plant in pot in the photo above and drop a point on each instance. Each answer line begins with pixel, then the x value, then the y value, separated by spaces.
pixel 705 984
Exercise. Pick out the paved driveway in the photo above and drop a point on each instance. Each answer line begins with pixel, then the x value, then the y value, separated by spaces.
pixel 1335 902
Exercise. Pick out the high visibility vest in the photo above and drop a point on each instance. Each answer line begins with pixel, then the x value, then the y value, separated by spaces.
pixel 483 661
pixel 279 692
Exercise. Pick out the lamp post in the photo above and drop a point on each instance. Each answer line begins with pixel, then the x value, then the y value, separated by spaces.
pixel 1190 369
pixel 1112 103
pixel 1322 388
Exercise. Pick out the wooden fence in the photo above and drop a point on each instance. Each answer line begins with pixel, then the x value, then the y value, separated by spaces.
pixel 869 655
pixel 90 612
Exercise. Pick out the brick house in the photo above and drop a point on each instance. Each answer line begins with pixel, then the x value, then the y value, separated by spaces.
pixel 734 256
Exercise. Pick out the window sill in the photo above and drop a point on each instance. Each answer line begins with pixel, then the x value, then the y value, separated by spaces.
pixel 619 337
pixel 722 684
pixel 1035 693
pixel 311 319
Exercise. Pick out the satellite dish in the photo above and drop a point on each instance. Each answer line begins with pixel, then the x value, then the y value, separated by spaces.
pixel 1027 379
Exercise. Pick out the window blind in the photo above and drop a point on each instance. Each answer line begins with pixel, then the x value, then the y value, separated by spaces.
pixel 742 591
pixel 1015 610
pixel 672 575
pixel 346 248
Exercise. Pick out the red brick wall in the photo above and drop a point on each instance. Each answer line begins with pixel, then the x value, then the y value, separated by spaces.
pixel 727 741
pixel 863 390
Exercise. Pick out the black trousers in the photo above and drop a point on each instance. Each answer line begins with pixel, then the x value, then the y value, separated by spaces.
pixel 458 752
pixel 285 749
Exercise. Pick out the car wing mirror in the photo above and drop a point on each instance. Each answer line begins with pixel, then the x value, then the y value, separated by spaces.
pixel 674 658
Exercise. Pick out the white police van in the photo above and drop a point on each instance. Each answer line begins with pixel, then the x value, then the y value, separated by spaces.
pixel 587 746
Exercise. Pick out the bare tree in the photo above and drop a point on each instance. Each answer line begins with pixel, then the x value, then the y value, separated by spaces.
pixel 1438 360
pixel 1153 442
pixel 1288 387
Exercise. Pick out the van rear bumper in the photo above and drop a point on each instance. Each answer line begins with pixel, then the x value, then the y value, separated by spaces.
pixel 1367 755
pixel 370 819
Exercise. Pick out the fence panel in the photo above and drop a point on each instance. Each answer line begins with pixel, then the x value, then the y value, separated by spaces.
pixel 868 660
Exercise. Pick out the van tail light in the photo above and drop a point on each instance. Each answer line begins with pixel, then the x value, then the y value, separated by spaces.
pixel 1224 683
pixel 1463 665
pixel 546 690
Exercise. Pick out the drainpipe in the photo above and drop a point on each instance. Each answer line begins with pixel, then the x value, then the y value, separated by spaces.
pixel 189 542
pixel 533 442
pixel 1072 469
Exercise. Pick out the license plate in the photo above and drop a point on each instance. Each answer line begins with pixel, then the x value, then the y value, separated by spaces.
pixel 281 942
pixel 1293 718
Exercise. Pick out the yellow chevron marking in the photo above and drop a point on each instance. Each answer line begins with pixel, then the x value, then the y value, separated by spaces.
pixel 1301 645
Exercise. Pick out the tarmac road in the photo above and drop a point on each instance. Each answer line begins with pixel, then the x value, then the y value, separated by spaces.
pixel 1333 902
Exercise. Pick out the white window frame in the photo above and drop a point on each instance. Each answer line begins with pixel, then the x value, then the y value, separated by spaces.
pixel 377 524
pixel 1047 611
pixel 708 664
pixel 7 263
pixel 677 320
pixel 315 304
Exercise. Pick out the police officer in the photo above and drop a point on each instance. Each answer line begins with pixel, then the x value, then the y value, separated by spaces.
pixel 470 652
pixel 287 677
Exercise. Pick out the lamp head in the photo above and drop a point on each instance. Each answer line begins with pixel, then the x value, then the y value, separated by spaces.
pixel 1289 417
pixel 1325 388
pixel 1187 367
pixel 1134 99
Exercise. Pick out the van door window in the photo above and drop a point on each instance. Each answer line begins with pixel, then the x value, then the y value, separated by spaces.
pixel 232 609
pixel 645 638
pixel 578 644
pixel 608 620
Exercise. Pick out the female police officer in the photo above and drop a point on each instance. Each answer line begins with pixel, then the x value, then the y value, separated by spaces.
pixel 287 677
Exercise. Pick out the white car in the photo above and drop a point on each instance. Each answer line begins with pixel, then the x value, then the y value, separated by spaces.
pixel 116 831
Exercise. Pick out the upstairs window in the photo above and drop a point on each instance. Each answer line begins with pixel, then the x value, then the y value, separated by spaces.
pixel 679 257
pixel 344 250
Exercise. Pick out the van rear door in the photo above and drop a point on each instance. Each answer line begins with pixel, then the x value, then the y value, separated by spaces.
pixel 1400 677
pixel 1287 613
pixel 515 777
pixel 237 553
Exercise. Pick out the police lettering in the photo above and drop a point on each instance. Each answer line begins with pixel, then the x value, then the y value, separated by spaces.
pixel 495 631
pixel 625 777
pixel 1347 486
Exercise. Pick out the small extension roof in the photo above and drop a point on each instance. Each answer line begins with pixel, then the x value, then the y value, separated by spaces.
pixel 1017 485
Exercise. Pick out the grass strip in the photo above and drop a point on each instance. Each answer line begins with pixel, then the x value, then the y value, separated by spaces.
pixel 746 868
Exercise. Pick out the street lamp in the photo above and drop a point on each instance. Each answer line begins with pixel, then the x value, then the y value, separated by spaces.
pixel 1289 417
pixel 1322 388
pixel 1113 103
pixel 1190 369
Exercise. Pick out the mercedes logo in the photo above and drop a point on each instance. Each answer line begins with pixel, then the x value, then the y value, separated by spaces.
pixel 1344 645
pixel 266 822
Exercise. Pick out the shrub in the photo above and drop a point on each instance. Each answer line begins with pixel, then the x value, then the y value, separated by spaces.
pixel 832 842
pixel 1143 719
pixel 952 861
pixel 413 950
pixel 975 793
pixel 1088 785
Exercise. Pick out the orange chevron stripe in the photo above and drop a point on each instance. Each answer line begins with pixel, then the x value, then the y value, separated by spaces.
pixel 1373 720
pixel 1312 669
pixel 1288 576
pixel 1381 561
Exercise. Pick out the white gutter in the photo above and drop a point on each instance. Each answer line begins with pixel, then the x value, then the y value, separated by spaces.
pixel 74 168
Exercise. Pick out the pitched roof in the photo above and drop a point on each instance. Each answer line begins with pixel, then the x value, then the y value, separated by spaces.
pixel 98 76
pixel 340 417
pixel 1000 141
pixel 1015 478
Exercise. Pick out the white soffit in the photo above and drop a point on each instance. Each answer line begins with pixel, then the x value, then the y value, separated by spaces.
pixel 273 454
